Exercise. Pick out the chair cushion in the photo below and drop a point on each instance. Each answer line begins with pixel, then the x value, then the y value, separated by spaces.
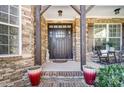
pixel 104 51
pixel 104 55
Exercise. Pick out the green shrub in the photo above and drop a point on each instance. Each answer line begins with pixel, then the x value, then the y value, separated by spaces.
pixel 110 76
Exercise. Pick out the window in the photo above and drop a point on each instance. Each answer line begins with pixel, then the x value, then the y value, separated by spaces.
pixel 115 34
pixel 104 33
pixel 9 29
pixel 100 36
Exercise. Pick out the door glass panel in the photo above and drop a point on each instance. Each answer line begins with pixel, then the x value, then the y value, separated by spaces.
pixel 55 26
pixel 68 26
pixel 64 26
pixel 60 26
pixel 50 26
pixel 60 34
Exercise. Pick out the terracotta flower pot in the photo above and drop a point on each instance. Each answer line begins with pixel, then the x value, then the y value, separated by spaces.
pixel 34 74
pixel 89 74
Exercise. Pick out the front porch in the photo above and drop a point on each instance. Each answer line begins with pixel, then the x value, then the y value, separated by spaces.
pixel 70 65
pixel 47 35
pixel 64 66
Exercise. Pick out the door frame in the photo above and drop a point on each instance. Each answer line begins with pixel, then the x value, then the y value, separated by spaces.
pixel 71 35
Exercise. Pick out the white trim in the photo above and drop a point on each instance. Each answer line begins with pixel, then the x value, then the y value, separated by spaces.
pixel 107 37
pixel 60 19
pixel 1 56
pixel 93 37
pixel 8 13
pixel 8 24
pixel 20 31
pixel 121 38
pixel 107 33
pixel 108 23
pixel 104 17
pixel 8 28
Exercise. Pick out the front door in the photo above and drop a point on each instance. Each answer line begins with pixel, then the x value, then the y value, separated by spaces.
pixel 60 41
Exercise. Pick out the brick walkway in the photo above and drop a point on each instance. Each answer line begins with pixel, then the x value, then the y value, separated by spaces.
pixel 63 74
pixel 62 82
pixel 63 79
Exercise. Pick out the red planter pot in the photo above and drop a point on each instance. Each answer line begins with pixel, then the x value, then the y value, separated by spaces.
pixel 89 74
pixel 34 75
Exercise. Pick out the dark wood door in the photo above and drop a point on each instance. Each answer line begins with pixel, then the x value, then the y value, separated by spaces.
pixel 60 41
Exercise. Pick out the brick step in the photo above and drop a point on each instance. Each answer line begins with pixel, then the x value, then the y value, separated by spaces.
pixel 63 82
pixel 62 74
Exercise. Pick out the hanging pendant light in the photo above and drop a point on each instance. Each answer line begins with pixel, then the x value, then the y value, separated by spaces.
pixel 117 11
pixel 59 12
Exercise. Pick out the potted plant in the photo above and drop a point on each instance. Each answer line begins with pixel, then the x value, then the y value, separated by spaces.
pixel 34 74
pixel 89 74
pixel 110 76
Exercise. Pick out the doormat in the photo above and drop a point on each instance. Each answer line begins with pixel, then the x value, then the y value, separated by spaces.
pixel 59 61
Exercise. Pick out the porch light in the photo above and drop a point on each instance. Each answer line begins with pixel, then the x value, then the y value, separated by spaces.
pixel 117 11
pixel 59 12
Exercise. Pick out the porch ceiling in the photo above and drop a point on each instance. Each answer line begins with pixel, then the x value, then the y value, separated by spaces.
pixel 68 13
pixel 95 12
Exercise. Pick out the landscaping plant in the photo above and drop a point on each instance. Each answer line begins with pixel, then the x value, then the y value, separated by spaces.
pixel 110 76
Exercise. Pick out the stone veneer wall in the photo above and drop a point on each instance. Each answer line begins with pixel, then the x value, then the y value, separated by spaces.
pixel 44 39
pixel 77 45
pixel 12 68
pixel 105 20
